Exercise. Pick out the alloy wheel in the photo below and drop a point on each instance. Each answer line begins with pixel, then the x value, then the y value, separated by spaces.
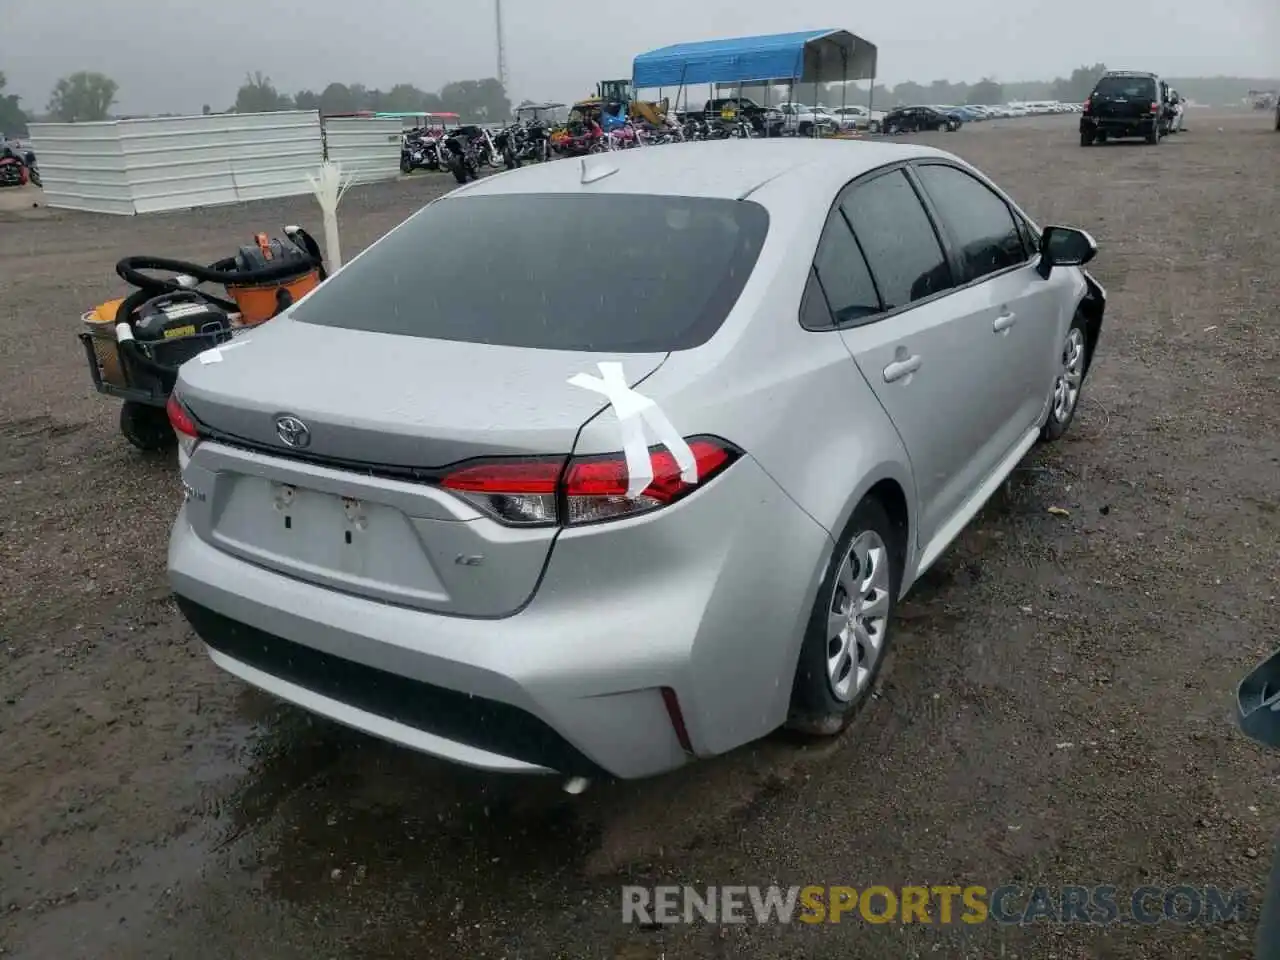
pixel 858 620
pixel 1066 388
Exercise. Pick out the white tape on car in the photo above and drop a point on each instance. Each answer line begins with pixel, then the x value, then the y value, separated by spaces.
pixel 635 410
pixel 214 354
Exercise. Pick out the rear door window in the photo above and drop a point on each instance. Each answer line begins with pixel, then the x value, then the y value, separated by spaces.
pixel 613 273
pixel 843 275
pixel 979 221
pixel 898 239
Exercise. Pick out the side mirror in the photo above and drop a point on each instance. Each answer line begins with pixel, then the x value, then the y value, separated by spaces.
pixel 1258 702
pixel 1065 247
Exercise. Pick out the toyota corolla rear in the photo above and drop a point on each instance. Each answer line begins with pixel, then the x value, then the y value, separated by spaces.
pixel 401 514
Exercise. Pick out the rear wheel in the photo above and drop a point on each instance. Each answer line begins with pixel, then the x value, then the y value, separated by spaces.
pixel 458 168
pixel 146 427
pixel 1153 135
pixel 849 629
pixel 1086 139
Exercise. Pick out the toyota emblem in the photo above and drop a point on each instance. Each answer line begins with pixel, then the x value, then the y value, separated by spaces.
pixel 293 432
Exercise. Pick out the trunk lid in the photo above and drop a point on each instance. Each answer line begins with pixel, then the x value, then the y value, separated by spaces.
pixel 353 509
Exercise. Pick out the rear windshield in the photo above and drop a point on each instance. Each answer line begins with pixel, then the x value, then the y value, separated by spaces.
pixel 609 273
pixel 1135 87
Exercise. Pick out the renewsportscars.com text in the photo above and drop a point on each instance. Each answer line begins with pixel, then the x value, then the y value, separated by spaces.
pixel 942 904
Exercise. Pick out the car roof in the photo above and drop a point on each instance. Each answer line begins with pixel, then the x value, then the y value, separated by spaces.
pixel 729 169
pixel 1128 73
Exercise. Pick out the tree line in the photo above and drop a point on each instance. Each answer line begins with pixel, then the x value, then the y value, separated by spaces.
pixel 480 100
pixel 86 95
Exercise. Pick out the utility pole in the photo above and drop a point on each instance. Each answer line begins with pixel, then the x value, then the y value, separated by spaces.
pixel 502 47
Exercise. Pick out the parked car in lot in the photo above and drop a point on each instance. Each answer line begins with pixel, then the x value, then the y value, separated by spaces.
pixel 804 121
pixel 858 118
pixel 1126 103
pixel 419 502
pixel 916 119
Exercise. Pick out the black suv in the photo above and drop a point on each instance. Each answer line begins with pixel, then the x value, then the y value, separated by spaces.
pixel 1126 104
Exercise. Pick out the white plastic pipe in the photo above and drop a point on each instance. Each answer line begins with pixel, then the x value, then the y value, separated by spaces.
pixel 328 185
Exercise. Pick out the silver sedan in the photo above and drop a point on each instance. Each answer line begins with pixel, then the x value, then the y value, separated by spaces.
pixel 635 468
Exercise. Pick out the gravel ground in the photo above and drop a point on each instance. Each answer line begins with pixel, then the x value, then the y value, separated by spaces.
pixel 1059 710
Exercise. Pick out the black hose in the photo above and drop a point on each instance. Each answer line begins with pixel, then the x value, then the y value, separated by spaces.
pixel 130 270
pixel 223 271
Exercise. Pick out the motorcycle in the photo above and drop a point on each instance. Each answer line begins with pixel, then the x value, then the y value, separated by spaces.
pixel 523 143
pixel 578 139
pixel 468 148
pixel 17 169
pixel 420 149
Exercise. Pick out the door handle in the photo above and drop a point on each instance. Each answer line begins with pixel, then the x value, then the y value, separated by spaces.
pixel 901 368
pixel 1004 322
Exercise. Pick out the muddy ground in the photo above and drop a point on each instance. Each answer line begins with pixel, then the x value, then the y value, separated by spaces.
pixel 1059 710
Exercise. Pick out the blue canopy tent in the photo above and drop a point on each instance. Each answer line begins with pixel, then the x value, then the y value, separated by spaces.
pixel 808 56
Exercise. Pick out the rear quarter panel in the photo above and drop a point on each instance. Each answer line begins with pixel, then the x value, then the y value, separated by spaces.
pixel 794 400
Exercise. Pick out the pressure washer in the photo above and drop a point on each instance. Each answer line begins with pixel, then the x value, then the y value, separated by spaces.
pixel 135 344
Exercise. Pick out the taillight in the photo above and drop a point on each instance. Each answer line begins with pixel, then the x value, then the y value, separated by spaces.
pixel 1155 108
pixel 547 490
pixel 184 427
pixel 1088 104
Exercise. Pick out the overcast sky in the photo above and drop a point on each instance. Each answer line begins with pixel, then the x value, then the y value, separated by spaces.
pixel 175 55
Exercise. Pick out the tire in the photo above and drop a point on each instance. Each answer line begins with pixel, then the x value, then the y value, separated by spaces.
pixel 1073 365
pixel 1086 139
pixel 1153 137
pixel 458 168
pixel 821 704
pixel 805 130
pixel 34 176
pixel 509 159
pixel 405 166
pixel 146 427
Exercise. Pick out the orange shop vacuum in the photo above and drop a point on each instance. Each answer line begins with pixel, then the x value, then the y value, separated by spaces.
pixel 136 344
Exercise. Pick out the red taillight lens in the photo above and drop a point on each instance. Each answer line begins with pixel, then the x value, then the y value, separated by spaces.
pixel 179 419
pixel 1155 108
pixel 1088 104
pixel 184 426
pixel 515 491
pixel 589 489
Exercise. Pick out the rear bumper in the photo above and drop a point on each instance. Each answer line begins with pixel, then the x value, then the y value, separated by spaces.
pixel 709 602
pixel 1119 126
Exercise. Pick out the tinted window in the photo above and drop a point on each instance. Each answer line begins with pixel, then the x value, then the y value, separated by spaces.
pixel 1132 87
pixel 843 274
pixel 613 273
pixel 898 239
pixel 979 222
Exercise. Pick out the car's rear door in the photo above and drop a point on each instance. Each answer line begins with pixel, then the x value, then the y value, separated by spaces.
pixel 926 353
pixel 996 271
